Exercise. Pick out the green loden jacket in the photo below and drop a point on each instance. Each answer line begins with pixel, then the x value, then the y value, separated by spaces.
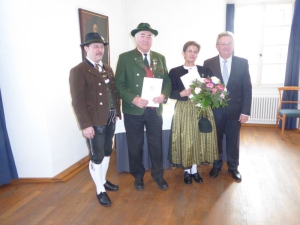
pixel 130 74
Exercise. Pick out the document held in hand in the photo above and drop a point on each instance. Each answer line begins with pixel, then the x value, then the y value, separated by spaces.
pixel 151 89
pixel 188 78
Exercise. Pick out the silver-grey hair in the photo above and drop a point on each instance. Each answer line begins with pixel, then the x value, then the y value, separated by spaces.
pixel 225 34
pixel 136 35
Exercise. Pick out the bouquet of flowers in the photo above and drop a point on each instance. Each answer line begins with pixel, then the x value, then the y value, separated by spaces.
pixel 208 92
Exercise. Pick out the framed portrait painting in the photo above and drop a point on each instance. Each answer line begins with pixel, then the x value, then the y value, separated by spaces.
pixel 94 22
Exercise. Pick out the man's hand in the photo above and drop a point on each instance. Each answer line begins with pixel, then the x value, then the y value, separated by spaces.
pixel 243 118
pixel 88 132
pixel 139 102
pixel 159 99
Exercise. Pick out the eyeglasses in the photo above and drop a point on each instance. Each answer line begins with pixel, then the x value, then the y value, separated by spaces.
pixel 190 52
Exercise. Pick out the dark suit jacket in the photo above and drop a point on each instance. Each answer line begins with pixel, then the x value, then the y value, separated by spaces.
pixel 239 85
pixel 90 95
pixel 130 75
pixel 177 85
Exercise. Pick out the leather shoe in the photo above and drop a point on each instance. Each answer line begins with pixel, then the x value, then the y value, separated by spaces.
pixel 214 172
pixel 197 177
pixel 235 174
pixel 162 184
pixel 139 184
pixel 187 178
pixel 104 199
pixel 111 187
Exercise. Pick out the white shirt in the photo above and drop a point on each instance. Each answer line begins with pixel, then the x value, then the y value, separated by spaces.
pixel 148 55
pixel 189 68
pixel 100 63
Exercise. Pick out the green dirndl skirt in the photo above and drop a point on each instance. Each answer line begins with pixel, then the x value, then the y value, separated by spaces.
pixel 188 146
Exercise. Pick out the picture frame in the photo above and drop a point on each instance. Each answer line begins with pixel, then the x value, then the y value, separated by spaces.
pixel 94 22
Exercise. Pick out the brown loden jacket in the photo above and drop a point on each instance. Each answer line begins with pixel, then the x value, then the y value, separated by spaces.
pixel 90 95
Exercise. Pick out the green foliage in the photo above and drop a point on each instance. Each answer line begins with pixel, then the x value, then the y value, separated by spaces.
pixel 208 92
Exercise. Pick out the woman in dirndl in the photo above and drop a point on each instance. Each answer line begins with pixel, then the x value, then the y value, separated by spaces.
pixel 188 146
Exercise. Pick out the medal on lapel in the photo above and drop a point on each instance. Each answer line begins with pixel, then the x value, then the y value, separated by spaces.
pixel 104 74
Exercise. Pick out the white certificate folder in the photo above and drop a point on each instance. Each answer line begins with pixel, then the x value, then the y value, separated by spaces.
pixel 151 89
pixel 188 78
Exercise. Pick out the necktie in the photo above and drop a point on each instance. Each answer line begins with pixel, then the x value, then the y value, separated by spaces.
pixel 225 73
pixel 97 66
pixel 146 61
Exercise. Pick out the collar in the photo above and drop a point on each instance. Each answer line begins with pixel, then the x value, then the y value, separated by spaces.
pixel 190 67
pixel 148 53
pixel 228 60
pixel 94 63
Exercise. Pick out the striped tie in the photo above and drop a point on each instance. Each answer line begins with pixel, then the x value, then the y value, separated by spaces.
pixel 97 66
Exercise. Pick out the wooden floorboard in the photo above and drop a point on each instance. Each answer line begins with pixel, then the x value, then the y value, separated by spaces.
pixel 269 193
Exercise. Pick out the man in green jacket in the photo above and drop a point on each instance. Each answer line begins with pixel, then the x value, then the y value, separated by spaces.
pixel 132 67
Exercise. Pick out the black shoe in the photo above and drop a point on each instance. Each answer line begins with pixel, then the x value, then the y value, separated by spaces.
pixel 187 178
pixel 235 174
pixel 139 184
pixel 214 172
pixel 104 199
pixel 197 177
pixel 162 184
pixel 111 187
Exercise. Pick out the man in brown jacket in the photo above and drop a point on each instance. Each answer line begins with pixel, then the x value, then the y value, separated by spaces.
pixel 96 106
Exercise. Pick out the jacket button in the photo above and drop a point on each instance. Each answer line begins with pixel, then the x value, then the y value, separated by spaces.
pixel 101 103
pixel 138 74
pixel 137 85
pixel 100 93
pixel 99 84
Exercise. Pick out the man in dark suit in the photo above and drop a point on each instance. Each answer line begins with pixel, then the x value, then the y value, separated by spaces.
pixel 96 106
pixel 234 72
pixel 132 67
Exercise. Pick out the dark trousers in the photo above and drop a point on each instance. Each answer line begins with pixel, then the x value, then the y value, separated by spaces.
pixel 102 143
pixel 231 129
pixel 134 126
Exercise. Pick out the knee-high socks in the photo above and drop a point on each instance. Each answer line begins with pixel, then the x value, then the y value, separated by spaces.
pixel 98 173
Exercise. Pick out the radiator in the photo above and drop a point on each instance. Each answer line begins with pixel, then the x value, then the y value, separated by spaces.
pixel 263 109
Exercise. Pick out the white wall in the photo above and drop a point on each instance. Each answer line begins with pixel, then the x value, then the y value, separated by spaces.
pixel 178 22
pixel 39 45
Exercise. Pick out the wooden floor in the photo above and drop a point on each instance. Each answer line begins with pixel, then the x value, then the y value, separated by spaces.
pixel 269 193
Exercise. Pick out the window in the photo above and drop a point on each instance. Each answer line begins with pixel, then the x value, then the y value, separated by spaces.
pixel 262 33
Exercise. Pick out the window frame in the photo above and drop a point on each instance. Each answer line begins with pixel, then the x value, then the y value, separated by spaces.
pixel 262 44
